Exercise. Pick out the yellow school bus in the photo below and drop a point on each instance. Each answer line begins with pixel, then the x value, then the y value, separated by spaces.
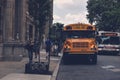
pixel 79 40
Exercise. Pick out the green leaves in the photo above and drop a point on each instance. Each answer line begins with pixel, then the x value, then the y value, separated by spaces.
pixel 56 31
pixel 104 13
pixel 41 11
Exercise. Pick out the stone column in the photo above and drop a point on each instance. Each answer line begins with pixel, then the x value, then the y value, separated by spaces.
pixel 8 28
pixel 23 20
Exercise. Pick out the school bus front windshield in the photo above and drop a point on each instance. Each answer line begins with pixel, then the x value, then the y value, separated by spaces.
pixel 79 34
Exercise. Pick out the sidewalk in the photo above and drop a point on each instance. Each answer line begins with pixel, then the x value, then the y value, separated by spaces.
pixel 10 70
pixel 21 76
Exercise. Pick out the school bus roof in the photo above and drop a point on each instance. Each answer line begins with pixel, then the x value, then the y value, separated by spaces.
pixel 79 26
pixel 75 24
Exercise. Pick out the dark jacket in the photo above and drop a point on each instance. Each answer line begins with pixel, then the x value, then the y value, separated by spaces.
pixel 29 47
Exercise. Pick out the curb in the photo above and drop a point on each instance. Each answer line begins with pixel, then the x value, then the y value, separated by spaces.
pixel 54 75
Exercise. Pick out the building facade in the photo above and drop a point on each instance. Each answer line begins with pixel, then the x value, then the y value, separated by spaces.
pixel 17 26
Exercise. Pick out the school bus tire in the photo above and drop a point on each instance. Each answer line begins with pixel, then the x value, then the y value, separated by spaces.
pixel 94 60
pixel 65 58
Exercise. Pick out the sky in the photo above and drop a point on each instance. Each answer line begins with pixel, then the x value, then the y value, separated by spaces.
pixel 70 11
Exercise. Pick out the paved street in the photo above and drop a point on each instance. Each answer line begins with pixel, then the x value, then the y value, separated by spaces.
pixel 107 68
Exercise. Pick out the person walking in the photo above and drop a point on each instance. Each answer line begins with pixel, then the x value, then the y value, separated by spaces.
pixel 55 49
pixel 36 48
pixel 29 47
pixel 48 45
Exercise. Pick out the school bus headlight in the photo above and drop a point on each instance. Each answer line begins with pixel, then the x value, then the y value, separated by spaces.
pixel 93 48
pixel 67 48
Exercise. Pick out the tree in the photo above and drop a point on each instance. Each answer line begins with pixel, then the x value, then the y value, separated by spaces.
pixel 40 10
pixel 104 13
pixel 56 32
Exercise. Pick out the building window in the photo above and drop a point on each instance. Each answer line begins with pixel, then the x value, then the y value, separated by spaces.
pixel 17 19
